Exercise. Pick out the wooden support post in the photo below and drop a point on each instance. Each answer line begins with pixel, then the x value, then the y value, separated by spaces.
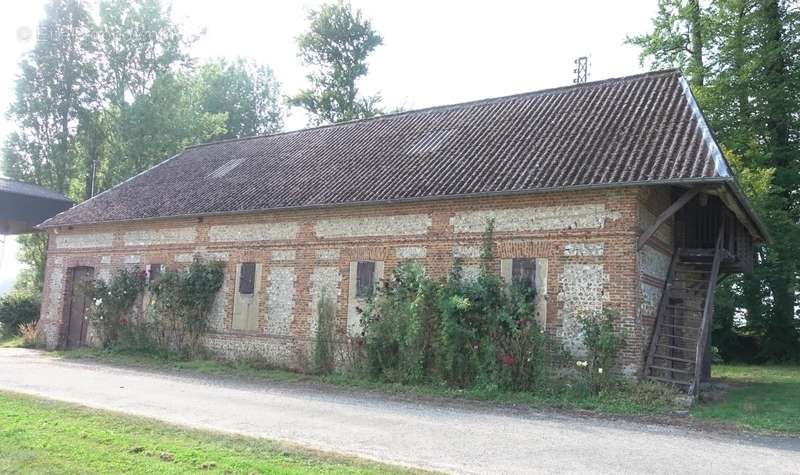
pixel 663 217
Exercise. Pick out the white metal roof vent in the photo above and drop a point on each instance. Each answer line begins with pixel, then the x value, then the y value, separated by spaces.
pixel 430 142
pixel 226 168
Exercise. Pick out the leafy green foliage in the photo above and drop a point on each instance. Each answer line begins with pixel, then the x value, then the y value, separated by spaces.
pixel 463 332
pixel 158 125
pixel 337 45
pixel 741 59
pixel 116 90
pixel 324 357
pixel 16 309
pixel 400 326
pixel 603 344
pixel 247 92
pixel 112 307
pixel 181 304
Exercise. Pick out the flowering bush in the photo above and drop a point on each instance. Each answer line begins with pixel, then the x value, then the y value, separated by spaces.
pixel 180 306
pixel 603 344
pixel 462 332
pixel 399 326
pixel 112 303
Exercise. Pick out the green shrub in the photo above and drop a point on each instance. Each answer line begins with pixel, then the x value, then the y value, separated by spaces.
pixel 17 309
pixel 181 302
pixel 324 339
pixel 603 344
pixel 113 303
pixel 464 333
pixel 400 326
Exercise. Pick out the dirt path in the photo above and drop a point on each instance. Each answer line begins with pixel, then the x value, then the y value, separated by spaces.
pixel 440 436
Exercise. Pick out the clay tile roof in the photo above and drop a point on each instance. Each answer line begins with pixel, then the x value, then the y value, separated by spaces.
pixel 634 130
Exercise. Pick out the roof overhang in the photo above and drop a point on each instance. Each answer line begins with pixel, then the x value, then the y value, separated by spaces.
pixel 20 213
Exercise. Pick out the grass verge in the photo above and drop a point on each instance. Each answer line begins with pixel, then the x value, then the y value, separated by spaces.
pixel 11 341
pixel 629 398
pixel 41 436
pixel 761 398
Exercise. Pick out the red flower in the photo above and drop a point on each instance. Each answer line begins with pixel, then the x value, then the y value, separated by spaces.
pixel 509 360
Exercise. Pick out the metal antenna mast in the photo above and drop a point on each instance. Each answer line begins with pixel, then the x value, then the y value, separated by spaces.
pixel 581 70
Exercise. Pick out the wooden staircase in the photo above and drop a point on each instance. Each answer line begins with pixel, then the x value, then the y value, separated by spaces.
pixel 683 321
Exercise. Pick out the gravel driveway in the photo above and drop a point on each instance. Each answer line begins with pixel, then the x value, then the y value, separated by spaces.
pixel 451 437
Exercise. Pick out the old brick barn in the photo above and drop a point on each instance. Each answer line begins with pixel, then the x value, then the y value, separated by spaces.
pixel 608 194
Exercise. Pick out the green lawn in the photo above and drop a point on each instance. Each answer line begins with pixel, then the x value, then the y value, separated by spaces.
pixel 39 436
pixel 763 398
pixel 10 341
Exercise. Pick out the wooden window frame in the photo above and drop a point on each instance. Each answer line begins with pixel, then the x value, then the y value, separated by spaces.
pixel 365 270
pixel 247 278
pixel 518 271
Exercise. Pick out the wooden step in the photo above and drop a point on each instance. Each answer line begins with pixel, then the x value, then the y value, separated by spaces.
pixel 672 370
pixel 680 348
pixel 672 325
pixel 680 337
pixel 673 358
pixel 704 281
pixel 685 309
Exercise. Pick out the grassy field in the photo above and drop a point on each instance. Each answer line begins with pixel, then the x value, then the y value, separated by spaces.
pixel 763 398
pixel 39 436
pixel 647 398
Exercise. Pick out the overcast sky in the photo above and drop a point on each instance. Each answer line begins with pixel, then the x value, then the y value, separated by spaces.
pixel 434 52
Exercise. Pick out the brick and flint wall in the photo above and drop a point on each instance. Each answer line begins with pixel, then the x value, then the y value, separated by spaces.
pixel 584 243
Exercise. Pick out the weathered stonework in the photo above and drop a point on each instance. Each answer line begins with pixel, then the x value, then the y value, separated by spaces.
pixel 132 259
pixel 581 292
pixel 216 317
pixel 582 249
pixel 280 300
pixel 252 232
pixel 203 254
pixel 324 281
pixel 159 237
pixel 415 252
pixel 289 255
pixel 50 327
pixel 548 218
pixel 470 273
pixel 84 241
pixel 467 251
pixel 296 266
pixel 328 255
pixel 401 225
pixel 653 262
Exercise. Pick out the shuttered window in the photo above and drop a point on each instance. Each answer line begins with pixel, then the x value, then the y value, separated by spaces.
pixel 524 270
pixel 365 279
pixel 155 272
pixel 247 278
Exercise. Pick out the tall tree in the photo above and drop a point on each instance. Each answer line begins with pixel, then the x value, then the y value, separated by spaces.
pixel 140 42
pixel 160 124
pixel 746 79
pixel 337 45
pixel 678 38
pixel 247 92
pixel 55 86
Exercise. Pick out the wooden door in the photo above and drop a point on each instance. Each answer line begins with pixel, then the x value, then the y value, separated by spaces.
pixel 77 303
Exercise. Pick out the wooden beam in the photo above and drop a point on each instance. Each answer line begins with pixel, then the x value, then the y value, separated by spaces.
pixel 663 217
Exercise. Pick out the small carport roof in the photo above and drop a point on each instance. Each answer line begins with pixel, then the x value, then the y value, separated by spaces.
pixel 24 205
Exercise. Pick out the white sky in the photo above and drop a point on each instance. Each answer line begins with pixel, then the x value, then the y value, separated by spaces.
pixel 434 52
